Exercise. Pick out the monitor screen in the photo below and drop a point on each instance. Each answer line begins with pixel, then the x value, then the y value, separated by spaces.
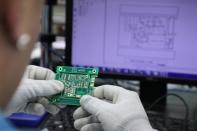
pixel 146 38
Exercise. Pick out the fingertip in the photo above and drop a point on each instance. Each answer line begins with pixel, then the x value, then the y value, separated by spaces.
pixel 80 113
pixel 85 99
pixel 52 109
pixel 59 85
pixel 50 75
pixel 35 108
pixel 76 114
pixel 77 124
pixel 39 109
pixel 91 104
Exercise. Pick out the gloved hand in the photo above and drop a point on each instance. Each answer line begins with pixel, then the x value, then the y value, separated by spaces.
pixel 114 109
pixel 29 97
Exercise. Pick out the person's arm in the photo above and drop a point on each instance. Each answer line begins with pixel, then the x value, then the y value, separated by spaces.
pixel 112 109
pixel 29 97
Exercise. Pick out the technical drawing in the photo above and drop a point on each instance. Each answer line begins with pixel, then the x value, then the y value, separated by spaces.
pixel 147 31
pixel 84 6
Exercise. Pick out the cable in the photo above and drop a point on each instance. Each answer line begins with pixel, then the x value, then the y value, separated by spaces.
pixel 54 52
pixel 179 97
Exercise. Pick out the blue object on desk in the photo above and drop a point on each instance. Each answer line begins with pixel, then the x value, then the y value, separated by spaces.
pixel 26 120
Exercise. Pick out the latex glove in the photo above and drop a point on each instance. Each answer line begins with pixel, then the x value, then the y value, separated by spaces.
pixel 124 113
pixel 29 97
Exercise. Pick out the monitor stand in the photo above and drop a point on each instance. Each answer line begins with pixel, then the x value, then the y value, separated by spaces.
pixel 150 91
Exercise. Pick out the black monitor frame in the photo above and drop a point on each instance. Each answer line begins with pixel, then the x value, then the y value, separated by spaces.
pixel 145 80
pixel 68 54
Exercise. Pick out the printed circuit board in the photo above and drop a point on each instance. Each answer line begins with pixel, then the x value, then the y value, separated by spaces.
pixel 77 82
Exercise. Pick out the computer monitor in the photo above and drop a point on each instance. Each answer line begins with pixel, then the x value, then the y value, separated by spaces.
pixel 135 39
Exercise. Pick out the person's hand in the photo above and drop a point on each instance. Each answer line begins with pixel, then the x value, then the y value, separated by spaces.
pixel 114 109
pixel 37 84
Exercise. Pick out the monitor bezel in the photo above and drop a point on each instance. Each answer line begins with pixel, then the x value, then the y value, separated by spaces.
pixel 68 57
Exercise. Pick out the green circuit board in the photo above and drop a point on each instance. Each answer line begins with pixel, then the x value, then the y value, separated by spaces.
pixel 77 82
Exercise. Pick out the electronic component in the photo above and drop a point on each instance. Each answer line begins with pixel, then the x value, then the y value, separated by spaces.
pixel 77 81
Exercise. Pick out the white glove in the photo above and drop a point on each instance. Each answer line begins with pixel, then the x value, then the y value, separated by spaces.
pixel 116 109
pixel 36 84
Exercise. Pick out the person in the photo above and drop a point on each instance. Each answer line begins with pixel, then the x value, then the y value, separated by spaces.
pixel 19 91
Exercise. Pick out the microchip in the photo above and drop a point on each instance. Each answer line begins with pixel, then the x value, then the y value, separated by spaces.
pixel 77 82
